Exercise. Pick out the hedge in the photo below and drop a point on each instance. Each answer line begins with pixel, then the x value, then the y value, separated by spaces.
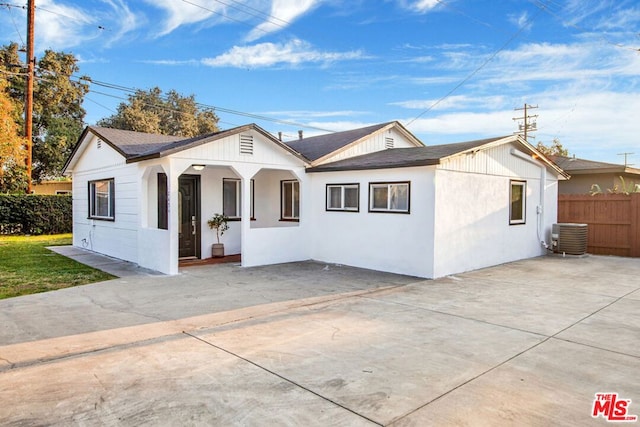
pixel 35 214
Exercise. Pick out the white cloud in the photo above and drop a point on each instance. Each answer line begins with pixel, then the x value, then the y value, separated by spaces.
pixel 307 114
pixel 456 102
pixel 294 52
pixel 60 26
pixel 521 20
pixel 420 6
pixel 123 21
pixel 183 13
pixel 171 62
pixel 283 13
pixel 576 117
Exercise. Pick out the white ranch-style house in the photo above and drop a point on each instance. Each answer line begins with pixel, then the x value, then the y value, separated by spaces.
pixel 374 197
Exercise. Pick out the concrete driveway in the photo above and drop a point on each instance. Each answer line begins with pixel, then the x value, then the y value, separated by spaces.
pixel 526 343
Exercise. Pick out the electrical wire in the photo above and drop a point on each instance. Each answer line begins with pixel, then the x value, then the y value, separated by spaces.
pixel 225 16
pixel 543 7
pixel 476 71
pixel 8 6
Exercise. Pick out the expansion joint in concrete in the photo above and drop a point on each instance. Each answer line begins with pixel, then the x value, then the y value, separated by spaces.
pixel 257 365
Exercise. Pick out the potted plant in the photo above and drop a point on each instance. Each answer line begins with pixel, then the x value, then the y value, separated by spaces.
pixel 218 222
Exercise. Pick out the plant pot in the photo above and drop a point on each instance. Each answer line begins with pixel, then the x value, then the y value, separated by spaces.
pixel 217 250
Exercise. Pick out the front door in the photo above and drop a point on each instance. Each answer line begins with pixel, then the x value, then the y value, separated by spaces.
pixel 189 216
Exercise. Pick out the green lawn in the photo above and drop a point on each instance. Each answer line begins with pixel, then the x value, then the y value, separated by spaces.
pixel 27 267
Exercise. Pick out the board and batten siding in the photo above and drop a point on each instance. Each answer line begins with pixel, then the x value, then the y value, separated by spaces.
pixel 116 238
pixel 494 161
pixel 227 151
pixel 372 144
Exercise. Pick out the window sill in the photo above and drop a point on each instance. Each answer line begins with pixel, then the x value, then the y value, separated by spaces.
pixel 390 212
pixel 100 218
pixel 290 219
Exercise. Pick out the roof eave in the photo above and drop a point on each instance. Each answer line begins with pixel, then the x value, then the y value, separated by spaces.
pixel 388 126
pixel 217 136
pixel 417 163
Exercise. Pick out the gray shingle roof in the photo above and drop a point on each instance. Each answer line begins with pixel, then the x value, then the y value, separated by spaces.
pixel 571 164
pixel 402 157
pixel 130 143
pixel 316 147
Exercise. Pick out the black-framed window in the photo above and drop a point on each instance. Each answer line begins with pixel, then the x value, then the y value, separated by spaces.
pixel 232 198
pixel 391 197
pixel 163 202
pixel 517 202
pixel 102 199
pixel 290 200
pixel 343 197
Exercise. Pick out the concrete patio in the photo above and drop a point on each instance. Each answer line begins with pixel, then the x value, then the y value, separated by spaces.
pixel 526 343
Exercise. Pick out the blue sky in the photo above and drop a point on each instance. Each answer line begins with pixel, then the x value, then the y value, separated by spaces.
pixel 449 70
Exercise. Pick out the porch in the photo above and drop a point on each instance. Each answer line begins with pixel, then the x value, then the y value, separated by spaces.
pixel 263 204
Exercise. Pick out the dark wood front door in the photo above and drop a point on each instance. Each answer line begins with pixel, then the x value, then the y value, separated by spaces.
pixel 189 216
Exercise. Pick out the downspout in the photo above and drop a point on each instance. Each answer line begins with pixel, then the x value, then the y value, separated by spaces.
pixel 543 184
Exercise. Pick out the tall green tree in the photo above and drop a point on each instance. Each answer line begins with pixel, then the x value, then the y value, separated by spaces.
pixel 57 105
pixel 555 149
pixel 171 114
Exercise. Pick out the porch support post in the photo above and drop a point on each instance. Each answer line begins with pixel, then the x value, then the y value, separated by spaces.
pixel 246 217
pixel 246 172
pixel 173 221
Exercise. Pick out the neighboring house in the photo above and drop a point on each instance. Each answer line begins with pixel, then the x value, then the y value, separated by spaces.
pixel 52 187
pixel 374 197
pixel 585 173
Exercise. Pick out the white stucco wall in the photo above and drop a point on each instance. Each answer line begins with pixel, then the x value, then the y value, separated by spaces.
pixel 393 242
pixel 472 212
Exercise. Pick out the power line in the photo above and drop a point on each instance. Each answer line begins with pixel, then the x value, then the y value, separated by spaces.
pixel 200 105
pixel 544 7
pixel 225 16
pixel 9 6
pixel 466 79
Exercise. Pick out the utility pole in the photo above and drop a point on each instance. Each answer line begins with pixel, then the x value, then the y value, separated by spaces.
pixel 625 158
pixel 523 129
pixel 28 103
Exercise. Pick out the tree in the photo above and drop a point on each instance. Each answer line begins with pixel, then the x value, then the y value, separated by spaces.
pixel 171 114
pixel 556 148
pixel 57 106
pixel 13 172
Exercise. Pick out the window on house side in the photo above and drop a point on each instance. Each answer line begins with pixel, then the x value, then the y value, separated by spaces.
pixel 232 198
pixel 102 199
pixel 343 197
pixel 163 202
pixel 517 199
pixel 389 197
pixel 290 195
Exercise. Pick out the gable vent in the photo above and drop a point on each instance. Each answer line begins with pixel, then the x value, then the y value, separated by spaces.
pixel 246 144
pixel 388 142
pixel 99 143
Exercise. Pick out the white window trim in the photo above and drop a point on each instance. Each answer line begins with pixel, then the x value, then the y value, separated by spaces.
pixel 388 185
pixel 282 210
pixel 342 207
pixel 522 220
pixel 111 215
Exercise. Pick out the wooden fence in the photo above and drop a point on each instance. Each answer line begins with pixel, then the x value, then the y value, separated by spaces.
pixel 614 221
